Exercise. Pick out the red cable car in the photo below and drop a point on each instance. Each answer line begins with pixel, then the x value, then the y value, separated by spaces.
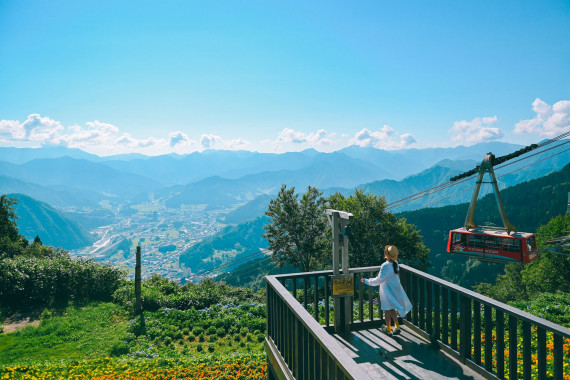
pixel 498 245
pixel 493 245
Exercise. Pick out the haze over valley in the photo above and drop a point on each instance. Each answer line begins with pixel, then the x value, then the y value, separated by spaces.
pixel 103 207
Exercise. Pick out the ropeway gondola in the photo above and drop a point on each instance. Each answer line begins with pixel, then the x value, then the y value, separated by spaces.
pixel 492 244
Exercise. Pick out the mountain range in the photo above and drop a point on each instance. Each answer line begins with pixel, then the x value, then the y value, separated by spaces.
pixel 90 189
pixel 70 178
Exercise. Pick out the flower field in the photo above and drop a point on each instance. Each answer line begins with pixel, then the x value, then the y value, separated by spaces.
pixel 230 367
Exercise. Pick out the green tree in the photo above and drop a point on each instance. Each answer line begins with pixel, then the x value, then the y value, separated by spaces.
pixel 373 228
pixel 296 228
pixel 11 242
pixel 8 217
pixel 547 274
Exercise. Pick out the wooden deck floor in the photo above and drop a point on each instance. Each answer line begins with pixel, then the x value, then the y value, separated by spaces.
pixel 404 356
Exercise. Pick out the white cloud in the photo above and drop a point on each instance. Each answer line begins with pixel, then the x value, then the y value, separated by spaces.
pixel 104 138
pixel 179 138
pixel 95 133
pixel 290 136
pixel 128 141
pixel 208 141
pixel 549 121
pixel 94 136
pixel 236 144
pixel 386 138
pixel 34 128
pixel 11 130
pixel 475 131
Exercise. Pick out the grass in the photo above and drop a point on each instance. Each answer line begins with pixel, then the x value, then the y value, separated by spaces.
pixel 101 341
pixel 76 333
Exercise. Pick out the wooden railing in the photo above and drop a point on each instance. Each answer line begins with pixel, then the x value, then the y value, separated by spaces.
pixel 480 331
pixel 297 346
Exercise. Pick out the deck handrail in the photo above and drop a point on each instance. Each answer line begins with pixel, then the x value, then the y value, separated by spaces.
pixel 323 341
pixel 469 293
pixel 458 319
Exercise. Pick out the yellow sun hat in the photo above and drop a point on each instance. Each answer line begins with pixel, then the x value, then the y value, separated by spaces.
pixel 391 251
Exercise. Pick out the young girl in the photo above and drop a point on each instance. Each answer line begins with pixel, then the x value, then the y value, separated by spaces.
pixel 393 298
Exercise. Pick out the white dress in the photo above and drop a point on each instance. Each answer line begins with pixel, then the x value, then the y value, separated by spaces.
pixel 392 294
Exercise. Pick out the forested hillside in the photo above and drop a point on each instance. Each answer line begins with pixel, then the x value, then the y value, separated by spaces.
pixel 232 243
pixel 51 226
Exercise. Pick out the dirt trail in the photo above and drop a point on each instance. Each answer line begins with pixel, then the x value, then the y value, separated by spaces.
pixel 18 322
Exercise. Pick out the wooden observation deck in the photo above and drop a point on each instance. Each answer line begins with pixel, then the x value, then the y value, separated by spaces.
pixel 451 333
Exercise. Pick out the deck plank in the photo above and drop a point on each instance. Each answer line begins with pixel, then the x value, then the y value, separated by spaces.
pixel 404 356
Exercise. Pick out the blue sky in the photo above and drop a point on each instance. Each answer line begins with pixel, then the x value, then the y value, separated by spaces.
pixel 179 76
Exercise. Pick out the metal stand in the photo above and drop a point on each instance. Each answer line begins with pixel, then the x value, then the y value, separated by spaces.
pixel 343 284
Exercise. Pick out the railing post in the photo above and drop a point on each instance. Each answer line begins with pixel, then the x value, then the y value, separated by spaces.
pixel 371 302
pixel 360 298
pixel 500 321
pixel 429 307
pixel 316 297
pixel 453 319
pixel 295 287
pixel 437 312
pixel 268 311
pixel 415 302
pixel 526 350
pixel 488 315
pixel 445 316
pixel 305 292
pixel 558 362
pixel 465 327
pixel 477 332
pixel 297 347
pixel 512 347
pixel 541 351
pixel 327 317
pixel 422 292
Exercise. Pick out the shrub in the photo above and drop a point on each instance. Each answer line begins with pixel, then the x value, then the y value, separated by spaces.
pixel 118 349
pixel 221 332
pixel 243 331
pixel 201 338
pixel 191 337
pixel 211 330
pixel 211 348
pixel 199 347
pixel 197 330
pixel 55 281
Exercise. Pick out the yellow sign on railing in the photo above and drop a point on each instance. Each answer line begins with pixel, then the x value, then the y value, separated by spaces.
pixel 343 285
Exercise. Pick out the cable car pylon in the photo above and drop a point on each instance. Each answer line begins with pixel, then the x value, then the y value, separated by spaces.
pixel 487 167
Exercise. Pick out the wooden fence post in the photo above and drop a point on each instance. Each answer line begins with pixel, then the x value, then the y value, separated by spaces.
pixel 138 301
